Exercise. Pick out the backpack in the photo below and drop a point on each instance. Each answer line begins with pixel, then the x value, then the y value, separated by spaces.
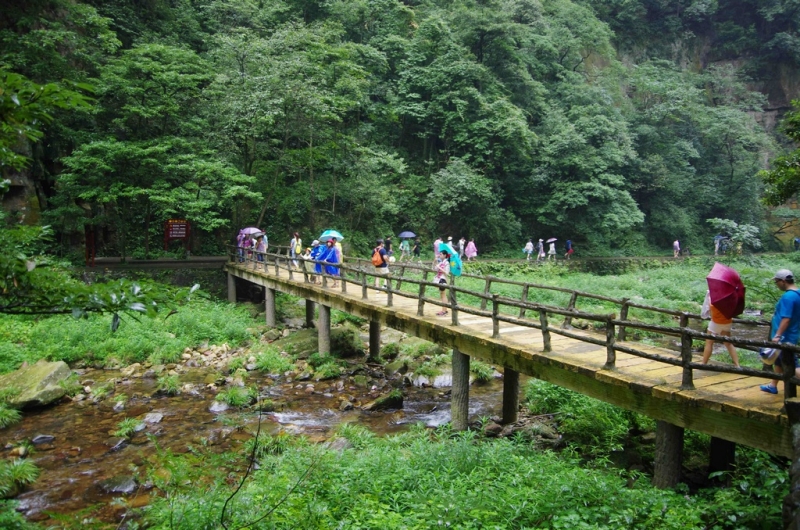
pixel 377 259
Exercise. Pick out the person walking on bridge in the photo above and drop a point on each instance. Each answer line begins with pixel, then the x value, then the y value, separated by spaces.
pixel 295 248
pixel 719 325
pixel 442 273
pixel 379 261
pixel 785 321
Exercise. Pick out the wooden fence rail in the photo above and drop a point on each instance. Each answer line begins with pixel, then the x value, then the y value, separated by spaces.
pixel 490 306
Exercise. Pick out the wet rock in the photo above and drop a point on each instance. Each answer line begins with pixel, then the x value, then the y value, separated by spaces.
pixel 492 430
pixel 345 405
pixel 286 333
pixel 42 439
pixel 153 417
pixel 217 436
pixel 128 371
pixel 214 379
pixel 20 451
pixel 150 374
pixel 339 444
pixel 271 335
pixel 392 400
pixel 119 406
pixel 115 444
pixel 305 376
pixel 38 384
pixel 396 367
pixel 218 406
pixel 78 397
pixel 250 367
pixel 360 381
pixel 121 485
pixel 346 341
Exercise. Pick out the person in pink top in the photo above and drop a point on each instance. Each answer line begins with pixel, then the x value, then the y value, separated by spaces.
pixel 471 252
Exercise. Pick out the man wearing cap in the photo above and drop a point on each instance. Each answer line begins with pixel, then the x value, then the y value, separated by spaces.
pixel 785 321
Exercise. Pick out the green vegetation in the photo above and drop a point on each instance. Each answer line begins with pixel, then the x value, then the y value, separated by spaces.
pixel 420 479
pixel 62 338
pixel 238 396
pixel 8 416
pixel 15 474
pixel 271 361
pixel 496 120
pixel 482 371
pixel 169 385
pixel 127 427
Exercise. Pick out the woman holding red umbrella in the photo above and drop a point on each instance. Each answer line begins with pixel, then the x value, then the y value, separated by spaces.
pixel 719 325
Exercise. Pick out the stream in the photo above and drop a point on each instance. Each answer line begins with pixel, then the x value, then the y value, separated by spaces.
pixel 84 464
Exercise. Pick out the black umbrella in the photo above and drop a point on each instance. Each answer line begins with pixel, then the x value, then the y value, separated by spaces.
pixel 407 234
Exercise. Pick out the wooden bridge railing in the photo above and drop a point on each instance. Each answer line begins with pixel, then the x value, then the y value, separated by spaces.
pixel 491 304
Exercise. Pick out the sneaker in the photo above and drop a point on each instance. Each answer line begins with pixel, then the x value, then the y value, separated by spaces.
pixel 769 388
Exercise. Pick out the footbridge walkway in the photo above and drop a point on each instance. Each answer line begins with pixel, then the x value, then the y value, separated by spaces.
pixel 524 336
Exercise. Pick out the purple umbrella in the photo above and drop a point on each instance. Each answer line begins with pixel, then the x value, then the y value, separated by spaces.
pixel 251 230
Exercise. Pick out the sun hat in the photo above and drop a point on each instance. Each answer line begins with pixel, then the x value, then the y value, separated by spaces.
pixel 315 242
pixel 783 274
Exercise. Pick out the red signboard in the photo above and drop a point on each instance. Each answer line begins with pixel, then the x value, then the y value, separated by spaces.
pixel 176 229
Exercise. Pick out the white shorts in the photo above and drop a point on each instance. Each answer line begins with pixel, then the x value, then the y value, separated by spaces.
pixel 381 270
pixel 715 328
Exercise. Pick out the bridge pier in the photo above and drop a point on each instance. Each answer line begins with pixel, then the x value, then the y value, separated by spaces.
pixel 459 395
pixel 231 288
pixel 510 395
pixel 791 503
pixel 721 455
pixel 324 329
pixel 374 339
pixel 309 314
pixel 669 450
pixel 269 306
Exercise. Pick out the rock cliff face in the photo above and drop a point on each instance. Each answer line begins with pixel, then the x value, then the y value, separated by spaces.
pixel 22 202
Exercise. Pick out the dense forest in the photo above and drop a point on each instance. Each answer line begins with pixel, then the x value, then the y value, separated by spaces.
pixel 621 124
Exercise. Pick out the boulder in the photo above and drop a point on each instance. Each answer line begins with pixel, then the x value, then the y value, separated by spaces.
pixel 38 384
pixel 392 400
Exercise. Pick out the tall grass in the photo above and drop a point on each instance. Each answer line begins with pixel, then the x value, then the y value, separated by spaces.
pixel 413 480
pixel 91 339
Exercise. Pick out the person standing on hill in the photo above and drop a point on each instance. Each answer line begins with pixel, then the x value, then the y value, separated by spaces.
pixel 785 321
pixel 570 250
pixel 461 244
pixel 676 248
pixel 528 249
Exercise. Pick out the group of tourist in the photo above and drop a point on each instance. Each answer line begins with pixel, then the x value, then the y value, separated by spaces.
pixel 530 246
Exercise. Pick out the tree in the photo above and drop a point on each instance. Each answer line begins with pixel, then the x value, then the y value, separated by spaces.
pixel 783 180
pixel 741 234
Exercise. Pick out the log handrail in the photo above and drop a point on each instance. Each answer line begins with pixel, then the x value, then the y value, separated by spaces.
pixel 615 328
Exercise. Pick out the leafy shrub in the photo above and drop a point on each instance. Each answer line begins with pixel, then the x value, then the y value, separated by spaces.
pixel 329 370
pixel 592 425
pixel 235 363
pixel 11 519
pixel 390 351
pixel 317 359
pixel 16 474
pixel 342 317
pixel 482 371
pixel 272 362
pixel 238 396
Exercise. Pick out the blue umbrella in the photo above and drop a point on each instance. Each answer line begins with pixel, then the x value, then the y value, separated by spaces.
pixel 330 234
pixel 455 260
pixel 407 234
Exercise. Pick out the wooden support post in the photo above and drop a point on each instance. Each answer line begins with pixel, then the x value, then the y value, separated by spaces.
pixel 389 289
pixel 324 278
pixel 291 271
pixel 572 301
pixel 231 288
pixel 611 353
pixel 400 279
pixel 324 330
pixel 623 315
pixel 459 395
pixel 510 395
pixel 788 364
pixel 545 330
pixel 421 305
pixel 309 314
pixel 269 306
pixel 364 295
pixel 374 339
pixel 453 303
pixel 343 280
pixel 277 267
pixel 686 354
pixel 495 312
pixel 669 449
pixel 791 503
pixel 524 300
pixel 721 455
pixel 486 288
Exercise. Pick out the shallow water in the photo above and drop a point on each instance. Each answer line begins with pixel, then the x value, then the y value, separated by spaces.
pixel 85 454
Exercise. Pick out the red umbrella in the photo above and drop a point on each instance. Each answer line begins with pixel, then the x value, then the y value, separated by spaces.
pixel 726 290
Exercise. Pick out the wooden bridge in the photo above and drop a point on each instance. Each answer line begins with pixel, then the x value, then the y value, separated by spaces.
pixel 527 337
